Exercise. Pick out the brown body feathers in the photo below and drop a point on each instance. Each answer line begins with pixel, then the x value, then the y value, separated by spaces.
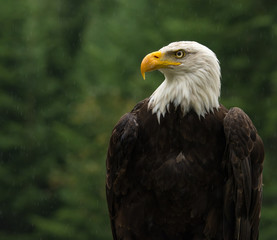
pixel 187 177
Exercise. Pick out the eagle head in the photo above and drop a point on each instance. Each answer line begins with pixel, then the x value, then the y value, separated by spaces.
pixel 192 78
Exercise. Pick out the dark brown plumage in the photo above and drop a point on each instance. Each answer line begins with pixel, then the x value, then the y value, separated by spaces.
pixel 187 177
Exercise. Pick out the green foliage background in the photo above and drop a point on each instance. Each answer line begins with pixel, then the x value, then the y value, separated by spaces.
pixel 69 69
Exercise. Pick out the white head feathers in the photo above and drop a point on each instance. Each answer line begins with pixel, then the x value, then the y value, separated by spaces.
pixel 192 85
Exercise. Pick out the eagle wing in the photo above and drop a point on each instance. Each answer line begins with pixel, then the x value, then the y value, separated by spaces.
pixel 243 162
pixel 122 142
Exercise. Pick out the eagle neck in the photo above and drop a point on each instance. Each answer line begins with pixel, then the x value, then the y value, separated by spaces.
pixel 187 92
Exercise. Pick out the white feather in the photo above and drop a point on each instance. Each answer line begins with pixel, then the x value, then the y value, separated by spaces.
pixel 193 85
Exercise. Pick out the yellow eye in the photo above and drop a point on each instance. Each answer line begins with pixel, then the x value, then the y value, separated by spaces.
pixel 179 54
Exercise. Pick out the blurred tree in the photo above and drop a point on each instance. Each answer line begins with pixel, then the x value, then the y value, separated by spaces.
pixel 38 44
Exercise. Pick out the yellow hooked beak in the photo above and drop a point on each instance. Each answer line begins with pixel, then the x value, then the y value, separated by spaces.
pixel 154 61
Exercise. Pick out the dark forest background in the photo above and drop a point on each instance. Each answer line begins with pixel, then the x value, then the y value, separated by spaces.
pixel 69 69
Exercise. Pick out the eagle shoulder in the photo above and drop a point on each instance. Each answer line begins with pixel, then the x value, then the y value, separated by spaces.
pixel 243 162
pixel 121 145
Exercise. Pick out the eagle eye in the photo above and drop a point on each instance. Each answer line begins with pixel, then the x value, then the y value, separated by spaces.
pixel 179 54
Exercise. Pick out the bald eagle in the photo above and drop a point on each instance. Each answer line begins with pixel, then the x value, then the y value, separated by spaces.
pixel 180 165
